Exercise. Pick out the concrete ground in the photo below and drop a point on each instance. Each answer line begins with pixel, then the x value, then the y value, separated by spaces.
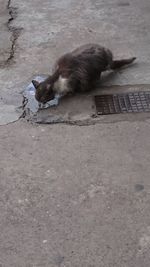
pixel 73 196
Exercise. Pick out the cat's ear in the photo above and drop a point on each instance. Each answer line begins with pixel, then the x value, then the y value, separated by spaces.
pixel 35 83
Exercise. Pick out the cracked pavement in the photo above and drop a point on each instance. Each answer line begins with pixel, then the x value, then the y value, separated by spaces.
pixel 73 196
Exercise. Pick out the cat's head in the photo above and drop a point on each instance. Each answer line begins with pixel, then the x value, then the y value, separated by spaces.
pixel 43 91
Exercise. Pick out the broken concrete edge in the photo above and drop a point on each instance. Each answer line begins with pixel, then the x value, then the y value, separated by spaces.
pixel 80 119
pixel 15 32
pixel 85 122
pixel 93 120
pixel 7 123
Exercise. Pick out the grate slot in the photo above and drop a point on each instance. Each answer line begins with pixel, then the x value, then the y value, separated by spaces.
pixel 123 103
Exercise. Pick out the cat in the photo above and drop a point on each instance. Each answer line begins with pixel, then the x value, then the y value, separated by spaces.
pixel 76 71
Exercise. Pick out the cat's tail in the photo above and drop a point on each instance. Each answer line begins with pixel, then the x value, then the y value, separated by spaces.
pixel 115 64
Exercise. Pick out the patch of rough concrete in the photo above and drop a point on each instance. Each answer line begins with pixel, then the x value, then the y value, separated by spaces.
pixel 51 29
pixel 80 108
pixel 68 198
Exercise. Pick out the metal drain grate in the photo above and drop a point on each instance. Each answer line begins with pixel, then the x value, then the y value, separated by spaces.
pixel 123 103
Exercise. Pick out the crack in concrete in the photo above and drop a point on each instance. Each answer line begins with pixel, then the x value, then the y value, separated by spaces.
pixel 15 32
pixel 8 111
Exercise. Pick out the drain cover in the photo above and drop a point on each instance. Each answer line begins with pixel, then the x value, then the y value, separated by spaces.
pixel 123 103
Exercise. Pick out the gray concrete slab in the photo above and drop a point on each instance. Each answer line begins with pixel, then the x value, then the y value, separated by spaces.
pixel 75 196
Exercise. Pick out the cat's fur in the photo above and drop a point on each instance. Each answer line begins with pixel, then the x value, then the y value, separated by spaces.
pixel 77 71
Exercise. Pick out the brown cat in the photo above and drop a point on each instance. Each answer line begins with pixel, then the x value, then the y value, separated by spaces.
pixel 76 71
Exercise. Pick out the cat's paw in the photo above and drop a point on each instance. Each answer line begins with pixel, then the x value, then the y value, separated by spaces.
pixel 53 102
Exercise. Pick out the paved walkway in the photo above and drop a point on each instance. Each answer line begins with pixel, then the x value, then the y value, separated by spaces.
pixel 73 196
